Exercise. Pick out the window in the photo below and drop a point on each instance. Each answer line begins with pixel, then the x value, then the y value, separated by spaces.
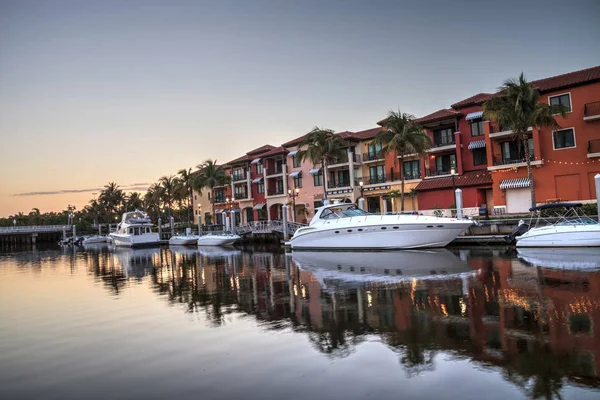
pixel 296 161
pixel 580 324
pixel 411 169
pixel 240 192
pixel 479 156
pixel 220 196
pixel 377 174
pixel 445 163
pixel 513 151
pixel 374 150
pixel 318 179
pixel 259 169
pixel 562 99
pixel 318 204
pixel 563 139
pixel 477 127
pixel 298 181
pixel 279 186
pixel 443 137
pixel 260 187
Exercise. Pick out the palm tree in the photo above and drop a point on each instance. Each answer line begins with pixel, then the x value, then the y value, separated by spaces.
pixel 402 136
pixel 517 107
pixel 211 175
pixel 321 146
pixel 153 199
pixel 169 185
pixel 111 197
pixel 134 201
pixel 34 216
pixel 187 179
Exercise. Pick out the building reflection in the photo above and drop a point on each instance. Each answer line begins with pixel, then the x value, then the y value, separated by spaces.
pixel 538 326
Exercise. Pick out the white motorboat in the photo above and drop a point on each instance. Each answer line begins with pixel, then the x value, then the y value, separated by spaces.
pixel 217 239
pixel 184 240
pixel 135 230
pixel 562 258
pixel 347 227
pixel 573 229
pixel 94 239
pixel 384 266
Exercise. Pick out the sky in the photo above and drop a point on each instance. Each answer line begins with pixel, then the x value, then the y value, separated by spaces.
pixel 129 91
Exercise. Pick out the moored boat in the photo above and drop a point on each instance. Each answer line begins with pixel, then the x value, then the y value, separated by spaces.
pixel 347 227
pixel 217 239
pixel 94 239
pixel 573 228
pixel 135 230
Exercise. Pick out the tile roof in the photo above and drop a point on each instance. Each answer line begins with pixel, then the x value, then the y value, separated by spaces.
pixel 575 78
pixel 479 98
pixel 471 178
pixel 274 152
pixel 366 134
pixel 439 115
pixel 243 159
pixel 259 150
pixel 295 142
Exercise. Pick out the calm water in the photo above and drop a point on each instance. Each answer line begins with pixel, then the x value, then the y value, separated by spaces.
pixel 99 323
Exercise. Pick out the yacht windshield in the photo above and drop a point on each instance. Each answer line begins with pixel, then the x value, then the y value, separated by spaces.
pixel 343 212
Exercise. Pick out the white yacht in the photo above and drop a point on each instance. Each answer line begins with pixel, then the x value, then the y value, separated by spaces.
pixel 184 240
pixel 347 227
pixel 94 239
pixel 573 229
pixel 217 239
pixel 135 230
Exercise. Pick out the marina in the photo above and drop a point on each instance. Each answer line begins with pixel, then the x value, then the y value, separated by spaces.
pixel 411 324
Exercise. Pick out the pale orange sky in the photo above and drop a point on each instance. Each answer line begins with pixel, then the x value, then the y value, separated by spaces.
pixel 92 92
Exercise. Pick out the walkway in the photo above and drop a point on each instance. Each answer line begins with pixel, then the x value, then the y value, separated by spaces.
pixel 262 227
pixel 20 230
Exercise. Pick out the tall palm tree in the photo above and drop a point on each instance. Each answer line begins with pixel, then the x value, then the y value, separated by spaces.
pixel 517 107
pixel 34 216
pixel 187 179
pixel 321 146
pixel 169 185
pixel 153 199
pixel 402 136
pixel 135 201
pixel 111 197
pixel 211 175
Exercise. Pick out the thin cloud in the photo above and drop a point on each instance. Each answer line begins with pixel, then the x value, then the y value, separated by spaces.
pixel 128 188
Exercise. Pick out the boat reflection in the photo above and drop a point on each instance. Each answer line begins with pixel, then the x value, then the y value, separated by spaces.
pixel 582 258
pixel 136 262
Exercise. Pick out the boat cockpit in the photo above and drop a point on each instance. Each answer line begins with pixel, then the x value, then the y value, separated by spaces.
pixel 342 211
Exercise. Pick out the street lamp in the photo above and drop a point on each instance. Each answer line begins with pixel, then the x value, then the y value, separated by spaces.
pixel 293 195
pixel 361 185
pixel 453 172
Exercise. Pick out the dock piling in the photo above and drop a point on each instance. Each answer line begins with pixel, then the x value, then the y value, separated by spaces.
pixel 597 181
pixel 458 201
pixel 284 221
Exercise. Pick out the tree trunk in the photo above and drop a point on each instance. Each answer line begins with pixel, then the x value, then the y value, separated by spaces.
pixel 324 165
pixel 525 142
pixel 401 169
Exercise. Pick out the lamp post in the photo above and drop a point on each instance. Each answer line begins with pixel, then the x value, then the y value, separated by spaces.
pixel 293 195
pixel 361 185
pixel 453 172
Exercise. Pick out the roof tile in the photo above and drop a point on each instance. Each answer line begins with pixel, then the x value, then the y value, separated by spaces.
pixel 274 152
pixel 260 150
pixel 471 178
pixel 575 78
pixel 439 115
pixel 479 98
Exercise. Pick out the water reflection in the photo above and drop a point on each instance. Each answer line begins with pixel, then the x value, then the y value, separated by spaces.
pixel 537 325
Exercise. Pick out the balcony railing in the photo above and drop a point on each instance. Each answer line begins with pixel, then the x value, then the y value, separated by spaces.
pixel 344 159
pixel 339 184
pixel 591 109
pixel 219 199
pixel 443 143
pixel 499 160
pixel 275 192
pixel 375 179
pixel 238 177
pixel 437 172
pixel 594 146
pixel 241 195
pixel 275 170
pixel 372 156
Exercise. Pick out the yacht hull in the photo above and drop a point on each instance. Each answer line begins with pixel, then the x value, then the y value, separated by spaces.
pixel 94 239
pixel 561 236
pixel 126 240
pixel 217 240
pixel 379 236
pixel 183 240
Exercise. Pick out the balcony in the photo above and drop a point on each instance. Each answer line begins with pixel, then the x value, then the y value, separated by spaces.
pixel 340 184
pixel 274 170
pixel 594 148
pixel 516 162
pixel 241 195
pixel 442 145
pixel 344 160
pixel 375 179
pixel 275 192
pixel 591 111
pixel 503 132
pixel 237 177
pixel 367 157
pixel 219 199
pixel 436 173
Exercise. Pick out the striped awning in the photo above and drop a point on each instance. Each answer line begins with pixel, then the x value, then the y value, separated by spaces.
pixel 294 174
pixel 314 171
pixel 256 180
pixel 255 161
pixel 292 153
pixel 477 144
pixel 516 183
pixel 259 206
pixel 474 115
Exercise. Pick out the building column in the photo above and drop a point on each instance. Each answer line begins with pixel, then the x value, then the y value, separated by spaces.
pixel 458 140
pixel 351 166
pixel 489 150
pixel 423 161
pixel 285 179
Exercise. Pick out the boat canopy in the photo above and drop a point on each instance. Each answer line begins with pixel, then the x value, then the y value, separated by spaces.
pixel 554 206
